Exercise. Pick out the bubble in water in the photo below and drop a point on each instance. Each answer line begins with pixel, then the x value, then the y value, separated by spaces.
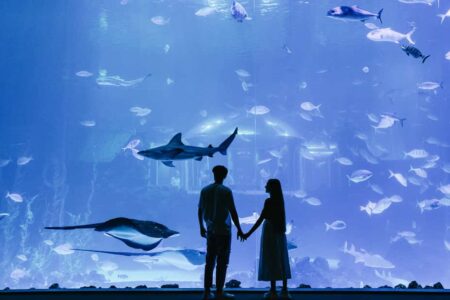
pixel 365 69
pixel 303 85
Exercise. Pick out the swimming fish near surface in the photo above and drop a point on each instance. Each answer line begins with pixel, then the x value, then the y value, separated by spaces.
pixel 353 13
pixel 145 235
pixel 414 52
pixel 360 176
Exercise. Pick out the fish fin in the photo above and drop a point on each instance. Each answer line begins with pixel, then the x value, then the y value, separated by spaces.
pixel 379 15
pixel 225 144
pixel 391 174
pixel 409 36
pixel 168 163
pixel 425 58
pixel 176 140
pixel 401 121
pixel 198 158
pixel 74 227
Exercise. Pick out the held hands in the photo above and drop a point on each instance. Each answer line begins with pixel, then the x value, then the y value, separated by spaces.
pixel 242 236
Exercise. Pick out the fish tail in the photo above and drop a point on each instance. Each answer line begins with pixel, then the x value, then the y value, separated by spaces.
pixel 425 58
pixel 391 174
pixel 441 84
pixel 442 16
pixel 73 227
pixel 409 36
pixel 401 121
pixel 327 227
pixel 379 15
pixel 225 144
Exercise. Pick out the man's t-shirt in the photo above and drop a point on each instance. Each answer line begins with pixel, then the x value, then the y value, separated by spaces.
pixel 216 200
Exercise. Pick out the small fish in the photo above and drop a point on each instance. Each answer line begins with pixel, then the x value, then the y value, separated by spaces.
pixel 303 85
pixel 371 26
pixel 353 13
pixel 376 188
pixel 246 86
pixel 428 2
pixel 48 242
pixel 4 162
pixel 414 52
pixel 170 81
pixel 205 11
pixel 428 204
pixel 84 74
pixel 419 172
pixel 399 177
pixel 18 274
pixel 22 257
pixel 88 123
pixel 166 48
pixel 286 48
pixel 3 215
pixel 140 111
pixel 64 249
pixel 306 116
pixel 132 144
pixel 445 189
pixel 360 176
pixel 23 160
pixel 344 161
pixel 300 194
pixel 14 197
pixel 416 153
pixel 259 110
pixel 429 86
pixel 389 35
pixel 308 106
pixel 444 16
pixel 159 20
pixel 312 201
pixel 250 220
pixel 336 225
pixel 263 161
pixel 242 73
pixel 388 121
pixel 238 12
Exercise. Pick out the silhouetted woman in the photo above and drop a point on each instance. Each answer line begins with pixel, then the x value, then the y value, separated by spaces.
pixel 273 257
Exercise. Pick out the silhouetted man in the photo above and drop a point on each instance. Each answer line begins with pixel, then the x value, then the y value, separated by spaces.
pixel 214 209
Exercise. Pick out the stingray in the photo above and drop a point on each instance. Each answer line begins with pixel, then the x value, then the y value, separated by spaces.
pixel 145 235
pixel 186 259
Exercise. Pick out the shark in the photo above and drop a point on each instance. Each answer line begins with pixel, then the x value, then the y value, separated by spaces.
pixel 177 150
pixel 137 234
pixel 186 259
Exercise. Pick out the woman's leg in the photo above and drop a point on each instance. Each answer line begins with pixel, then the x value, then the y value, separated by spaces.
pixel 273 285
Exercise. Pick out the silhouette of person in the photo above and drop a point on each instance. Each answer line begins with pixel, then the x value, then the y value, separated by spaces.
pixel 214 209
pixel 273 255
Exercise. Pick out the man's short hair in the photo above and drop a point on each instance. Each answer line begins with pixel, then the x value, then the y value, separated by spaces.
pixel 220 172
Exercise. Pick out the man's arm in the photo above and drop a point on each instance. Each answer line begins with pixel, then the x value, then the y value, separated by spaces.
pixel 200 217
pixel 235 217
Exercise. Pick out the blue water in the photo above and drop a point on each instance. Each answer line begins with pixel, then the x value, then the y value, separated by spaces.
pixel 74 130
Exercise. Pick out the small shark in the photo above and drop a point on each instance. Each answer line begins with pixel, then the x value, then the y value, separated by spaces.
pixel 176 150
pixel 145 235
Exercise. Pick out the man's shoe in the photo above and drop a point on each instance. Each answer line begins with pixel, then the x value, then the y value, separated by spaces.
pixel 270 295
pixel 208 296
pixel 224 295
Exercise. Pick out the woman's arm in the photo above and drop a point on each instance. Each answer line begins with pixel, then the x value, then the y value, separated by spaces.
pixel 258 222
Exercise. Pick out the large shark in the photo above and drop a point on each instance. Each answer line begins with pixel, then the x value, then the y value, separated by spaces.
pixel 186 259
pixel 176 150
pixel 145 235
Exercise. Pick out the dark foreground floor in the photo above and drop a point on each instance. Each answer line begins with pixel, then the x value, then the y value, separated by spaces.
pixel 244 294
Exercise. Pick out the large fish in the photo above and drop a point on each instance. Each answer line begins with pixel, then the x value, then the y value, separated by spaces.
pixel 186 259
pixel 145 235
pixel 353 13
pixel 176 150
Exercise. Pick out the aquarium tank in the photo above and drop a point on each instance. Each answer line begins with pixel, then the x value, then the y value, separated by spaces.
pixel 348 106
